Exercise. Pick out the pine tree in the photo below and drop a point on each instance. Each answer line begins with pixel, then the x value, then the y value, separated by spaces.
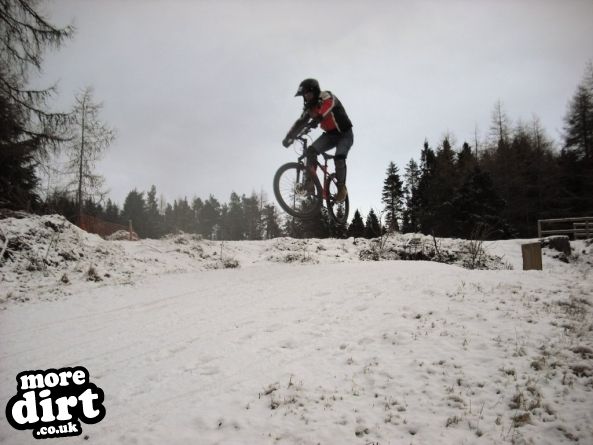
pixel 183 216
pixel 233 222
pixel 466 161
pixel 372 227
pixel 424 203
pixel 196 207
pixel 134 212
pixel 27 129
pixel 577 154
pixel 18 180
pixel 410 218
pixel 221 231
pixel 112 212
pixel 93 208
pixel 169 219
pixel 154 220
pixel 477 204
pixel 293 227
pixel 392 197
pixel 539 185
pixel 317 226
pixel 356 227
pixel 59 202
pixel 443 183
pixel 271 222
pixel 337 229
pixel 253 217
pixel 579 118
pixel 210 217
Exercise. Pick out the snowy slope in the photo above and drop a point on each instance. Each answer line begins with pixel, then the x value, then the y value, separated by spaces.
pixel 302 341
pixel 47 257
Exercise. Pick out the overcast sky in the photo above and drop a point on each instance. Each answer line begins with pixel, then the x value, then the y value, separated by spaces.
pixel 201 92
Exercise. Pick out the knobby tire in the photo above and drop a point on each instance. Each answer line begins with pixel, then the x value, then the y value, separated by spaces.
pixel 333 208
pixel 288 181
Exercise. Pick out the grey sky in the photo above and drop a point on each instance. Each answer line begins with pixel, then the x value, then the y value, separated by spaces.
pixel 201 92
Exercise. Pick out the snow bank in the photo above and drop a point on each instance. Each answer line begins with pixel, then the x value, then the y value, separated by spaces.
pixel 303 341
pixel 47 256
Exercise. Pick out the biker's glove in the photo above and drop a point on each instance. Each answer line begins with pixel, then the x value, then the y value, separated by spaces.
pixel 287 141
pixel 315 122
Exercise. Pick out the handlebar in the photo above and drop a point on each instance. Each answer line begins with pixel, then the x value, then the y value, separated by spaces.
pixel 305 131
pixel 300 136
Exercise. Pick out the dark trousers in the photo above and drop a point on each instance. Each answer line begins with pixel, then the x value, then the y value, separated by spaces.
pixel 342 142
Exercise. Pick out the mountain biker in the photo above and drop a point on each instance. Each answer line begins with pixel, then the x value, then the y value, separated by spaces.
pixel 324 109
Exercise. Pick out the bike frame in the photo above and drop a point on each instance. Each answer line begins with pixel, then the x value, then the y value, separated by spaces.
pixel 298 190
pixel 313 169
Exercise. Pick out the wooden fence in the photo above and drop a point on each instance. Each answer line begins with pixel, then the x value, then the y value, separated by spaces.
pixel 579 228
pixel 104 228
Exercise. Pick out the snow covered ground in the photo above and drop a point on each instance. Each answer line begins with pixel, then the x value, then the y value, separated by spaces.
pixel 302 341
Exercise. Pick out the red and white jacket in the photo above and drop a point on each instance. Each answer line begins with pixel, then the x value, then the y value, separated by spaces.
pixel 328 111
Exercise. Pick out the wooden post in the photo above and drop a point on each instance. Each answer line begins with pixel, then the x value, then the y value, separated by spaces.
pixel 130 229
pixel 532 256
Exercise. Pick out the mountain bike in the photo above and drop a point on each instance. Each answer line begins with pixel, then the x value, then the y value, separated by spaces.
pixel 296 195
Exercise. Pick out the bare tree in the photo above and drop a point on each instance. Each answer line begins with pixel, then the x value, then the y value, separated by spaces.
pixel 90 139
pixel 499 128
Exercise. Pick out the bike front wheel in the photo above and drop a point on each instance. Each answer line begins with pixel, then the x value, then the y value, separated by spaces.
pixel 293 193
pixel 338 211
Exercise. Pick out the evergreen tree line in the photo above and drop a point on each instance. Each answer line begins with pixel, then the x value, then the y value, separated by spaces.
pixel 502 188
pixel 241 218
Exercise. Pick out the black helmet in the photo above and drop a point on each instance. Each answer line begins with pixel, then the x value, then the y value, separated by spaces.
pixel 308 85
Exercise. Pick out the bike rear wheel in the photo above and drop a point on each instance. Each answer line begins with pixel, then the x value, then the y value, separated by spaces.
pixel 292 194
pixel 338 211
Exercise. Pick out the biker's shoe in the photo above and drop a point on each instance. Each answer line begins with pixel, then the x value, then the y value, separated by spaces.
pixel 342 193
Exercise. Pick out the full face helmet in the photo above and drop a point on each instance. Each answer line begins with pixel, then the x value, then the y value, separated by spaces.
pixel 309 86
